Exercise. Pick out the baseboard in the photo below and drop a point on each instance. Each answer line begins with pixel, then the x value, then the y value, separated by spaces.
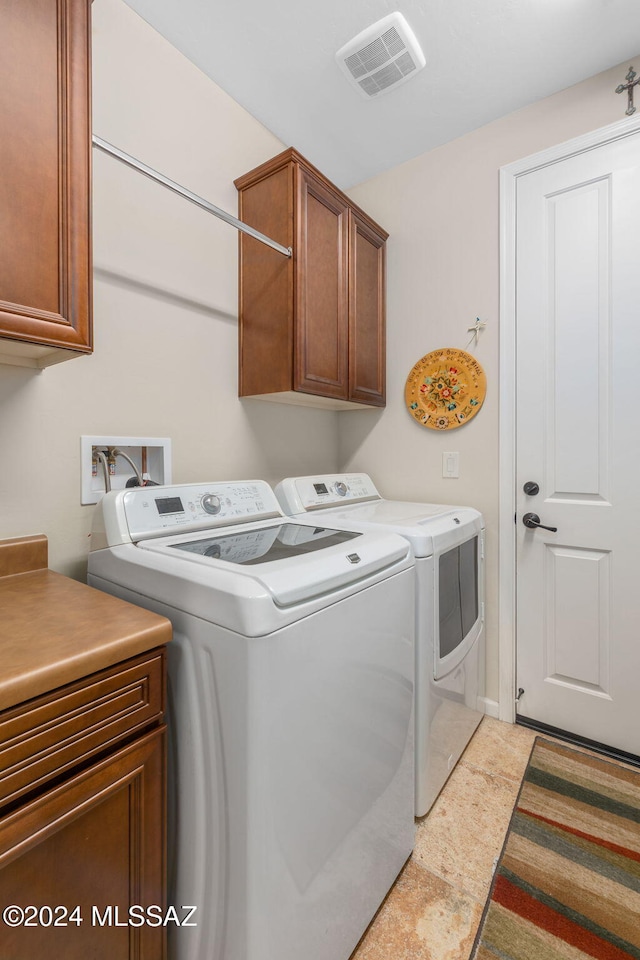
pixel 490 708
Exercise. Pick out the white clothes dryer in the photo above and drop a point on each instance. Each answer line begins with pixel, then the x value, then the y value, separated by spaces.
pixel 290 712
pixel 448 544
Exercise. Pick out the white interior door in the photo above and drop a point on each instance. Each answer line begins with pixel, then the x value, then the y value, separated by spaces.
pixel 578 439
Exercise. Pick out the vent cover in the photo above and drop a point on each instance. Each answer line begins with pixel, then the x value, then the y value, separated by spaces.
pixel 382 56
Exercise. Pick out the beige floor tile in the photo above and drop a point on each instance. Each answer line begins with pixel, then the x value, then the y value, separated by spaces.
pixel 465 829
pixel 500 748
pixel 423 918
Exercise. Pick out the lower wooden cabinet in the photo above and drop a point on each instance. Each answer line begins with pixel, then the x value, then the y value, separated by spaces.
pixel 83 859
pixel 74 861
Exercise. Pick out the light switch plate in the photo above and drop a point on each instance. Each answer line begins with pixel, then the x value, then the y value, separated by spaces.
pixel 451 464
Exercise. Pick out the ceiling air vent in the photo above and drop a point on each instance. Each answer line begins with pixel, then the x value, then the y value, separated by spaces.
pixel 383 56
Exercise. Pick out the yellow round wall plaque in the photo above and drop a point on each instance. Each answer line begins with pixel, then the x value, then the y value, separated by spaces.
pixel 445 389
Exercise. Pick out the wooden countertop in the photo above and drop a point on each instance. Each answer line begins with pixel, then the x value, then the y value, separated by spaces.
pixel 54 630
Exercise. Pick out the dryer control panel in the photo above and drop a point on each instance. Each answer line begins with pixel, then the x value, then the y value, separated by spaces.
pixel 298 494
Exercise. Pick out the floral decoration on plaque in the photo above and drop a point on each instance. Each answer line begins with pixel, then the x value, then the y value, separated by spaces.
pixel 445 389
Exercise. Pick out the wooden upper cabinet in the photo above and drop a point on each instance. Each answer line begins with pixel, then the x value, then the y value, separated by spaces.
pixel 45 165
pixel 312 327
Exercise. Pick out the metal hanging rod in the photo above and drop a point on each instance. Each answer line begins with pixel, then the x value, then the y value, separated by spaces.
pixel 188 195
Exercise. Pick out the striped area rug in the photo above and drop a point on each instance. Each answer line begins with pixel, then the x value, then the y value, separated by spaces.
pixel 567 885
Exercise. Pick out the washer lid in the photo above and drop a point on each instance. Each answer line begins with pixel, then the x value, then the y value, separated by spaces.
pixel 281 541
pixel 290 562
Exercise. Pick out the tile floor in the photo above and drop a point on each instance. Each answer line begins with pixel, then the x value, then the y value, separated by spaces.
pixel 433 910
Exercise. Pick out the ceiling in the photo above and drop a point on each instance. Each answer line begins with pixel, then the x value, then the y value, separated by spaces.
pixel 484 59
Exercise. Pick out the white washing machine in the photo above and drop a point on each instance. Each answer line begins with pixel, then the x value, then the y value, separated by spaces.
pixel 448 543
pixel 290 712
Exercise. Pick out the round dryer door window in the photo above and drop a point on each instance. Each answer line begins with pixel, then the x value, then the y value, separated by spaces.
pixel 445 389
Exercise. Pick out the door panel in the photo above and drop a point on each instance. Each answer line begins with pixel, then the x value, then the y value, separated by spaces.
pixel 578 344
pixel 579 309
pixel 577 585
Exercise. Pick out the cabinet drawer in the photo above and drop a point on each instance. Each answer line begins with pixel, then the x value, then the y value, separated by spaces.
pixel 45 737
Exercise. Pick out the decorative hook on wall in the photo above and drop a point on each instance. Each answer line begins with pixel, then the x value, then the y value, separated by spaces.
pixel 476 330
pixel 628 86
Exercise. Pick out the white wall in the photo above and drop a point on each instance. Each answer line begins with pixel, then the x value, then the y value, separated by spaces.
pixel 442 213
pixel 165 360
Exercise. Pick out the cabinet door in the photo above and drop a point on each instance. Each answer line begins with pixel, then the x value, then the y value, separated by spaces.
pixel 95 843
pixel 367 345
pixel 321 350
pixel 45 264
pixel 266 286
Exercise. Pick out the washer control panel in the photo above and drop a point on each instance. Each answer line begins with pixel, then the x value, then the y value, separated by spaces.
pixel 151 511
pixel 297 494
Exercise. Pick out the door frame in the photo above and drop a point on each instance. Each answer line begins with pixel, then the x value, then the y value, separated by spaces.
pixel 509 176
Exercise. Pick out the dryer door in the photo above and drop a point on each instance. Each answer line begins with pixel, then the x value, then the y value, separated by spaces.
pixel 458 611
